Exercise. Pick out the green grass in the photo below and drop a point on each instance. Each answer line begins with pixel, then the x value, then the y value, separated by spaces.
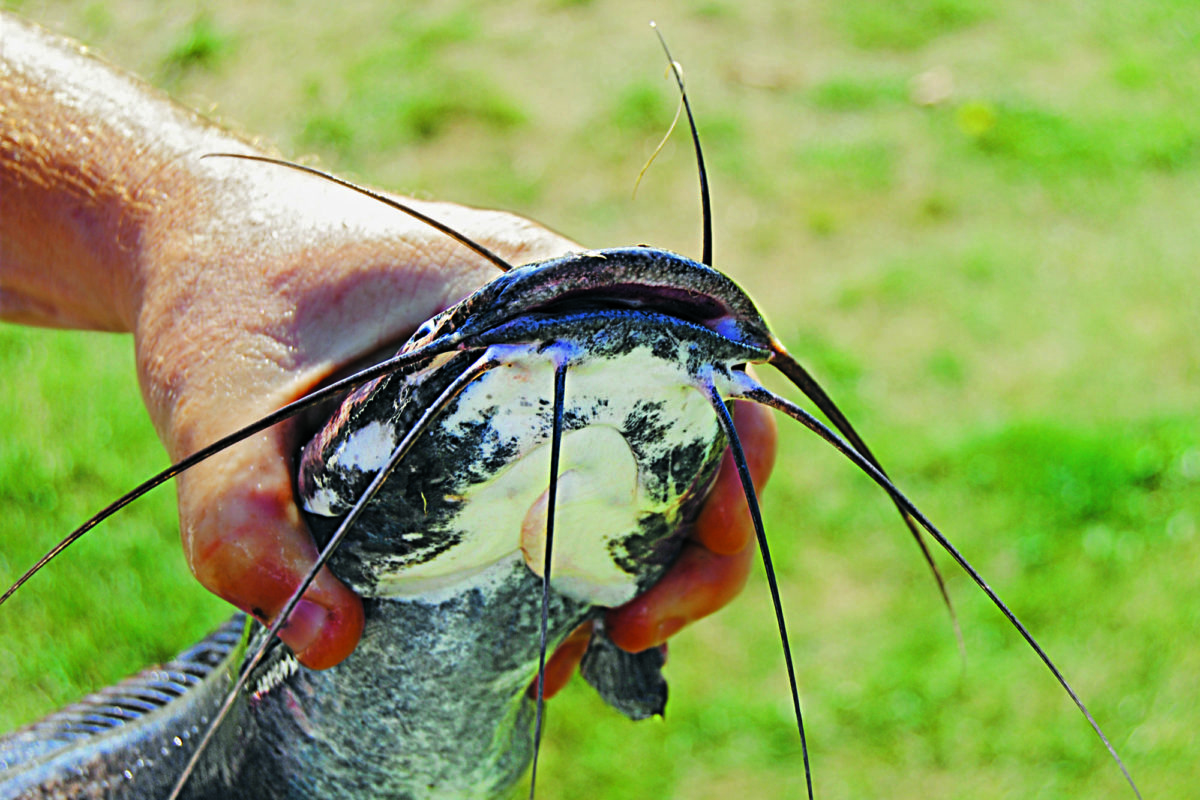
pixel 409 88
pixel 904 24
pixel 200 47
pixel 999 289
pixel 854 93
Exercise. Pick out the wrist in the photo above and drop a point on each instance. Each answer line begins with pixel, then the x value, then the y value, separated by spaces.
pixel 89 157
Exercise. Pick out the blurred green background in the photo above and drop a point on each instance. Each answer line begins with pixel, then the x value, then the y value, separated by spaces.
pixel 978 223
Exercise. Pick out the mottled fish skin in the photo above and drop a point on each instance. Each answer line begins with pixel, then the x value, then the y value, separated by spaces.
pixel 666 428
pixel 434 702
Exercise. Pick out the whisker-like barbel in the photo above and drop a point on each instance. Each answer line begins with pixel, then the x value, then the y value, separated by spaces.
pixel 452 429
pixel 758 394
pixel 391 202
pixel 739 459
pixel 560 391
pixel 485 363
pixel 395 364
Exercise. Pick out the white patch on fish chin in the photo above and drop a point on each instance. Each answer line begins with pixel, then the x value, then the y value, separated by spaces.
pixel 324 501
pixel 506 517
pixel 597 495
pixel 366 449
pixel 602 495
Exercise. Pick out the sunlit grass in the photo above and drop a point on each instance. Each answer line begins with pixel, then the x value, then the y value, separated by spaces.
pixel 998 287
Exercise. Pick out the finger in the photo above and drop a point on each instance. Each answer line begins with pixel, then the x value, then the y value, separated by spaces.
pixel 561 665
pixel 244 540
pixel 698 583
pixel 724 525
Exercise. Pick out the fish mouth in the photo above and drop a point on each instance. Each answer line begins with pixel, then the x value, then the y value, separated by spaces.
pixel 667 301
pixel 600 281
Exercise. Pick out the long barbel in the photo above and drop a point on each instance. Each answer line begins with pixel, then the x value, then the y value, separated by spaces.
pixel 869 465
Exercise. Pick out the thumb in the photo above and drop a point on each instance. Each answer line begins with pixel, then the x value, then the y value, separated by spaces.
pixel 245 541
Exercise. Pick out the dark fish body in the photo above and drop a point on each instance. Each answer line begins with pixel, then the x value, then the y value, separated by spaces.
pixel 434 702
pixel 425 707
pixel 130 739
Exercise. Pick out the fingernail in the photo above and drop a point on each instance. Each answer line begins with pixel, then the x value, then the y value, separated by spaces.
pixel 668 628
pixel 304 625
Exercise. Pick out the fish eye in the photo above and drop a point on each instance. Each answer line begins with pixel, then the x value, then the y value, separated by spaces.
pixel 425 330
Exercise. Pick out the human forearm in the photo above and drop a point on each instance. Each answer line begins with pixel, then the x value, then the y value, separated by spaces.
pixel 88 155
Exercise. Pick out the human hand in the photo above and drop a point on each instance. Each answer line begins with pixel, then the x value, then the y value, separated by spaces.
pixel 258 283
pixel 234 327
